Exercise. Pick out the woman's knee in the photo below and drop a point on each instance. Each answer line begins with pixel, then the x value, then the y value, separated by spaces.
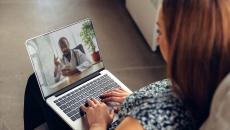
pixel 32 87
pixel 32 78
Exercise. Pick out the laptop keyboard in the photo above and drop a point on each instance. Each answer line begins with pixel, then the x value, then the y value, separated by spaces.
pixel 71 102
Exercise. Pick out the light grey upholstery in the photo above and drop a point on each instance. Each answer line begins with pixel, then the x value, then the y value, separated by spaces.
pixel 219 118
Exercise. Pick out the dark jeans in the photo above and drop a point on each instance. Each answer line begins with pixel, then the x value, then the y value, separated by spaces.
pixel 36 111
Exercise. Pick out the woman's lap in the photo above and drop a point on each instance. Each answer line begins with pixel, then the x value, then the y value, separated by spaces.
pixel 36 111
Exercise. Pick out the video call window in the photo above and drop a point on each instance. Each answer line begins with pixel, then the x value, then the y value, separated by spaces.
pixel 62 57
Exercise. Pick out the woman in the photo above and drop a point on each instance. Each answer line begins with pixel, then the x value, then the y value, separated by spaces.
pixel 194 38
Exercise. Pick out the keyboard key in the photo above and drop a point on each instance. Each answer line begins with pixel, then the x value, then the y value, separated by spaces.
pixel 68 104
pixel 63 107
pixel 62 101
pixel 67 110
pixel 71 113
pixel 77 115
pixel 73 118
pixel 58 104
pixel 72 107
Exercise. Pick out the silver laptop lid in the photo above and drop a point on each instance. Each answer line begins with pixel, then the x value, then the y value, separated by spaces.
pixel 64 56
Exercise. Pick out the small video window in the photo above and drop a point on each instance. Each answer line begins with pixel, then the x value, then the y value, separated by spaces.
pixel 62 57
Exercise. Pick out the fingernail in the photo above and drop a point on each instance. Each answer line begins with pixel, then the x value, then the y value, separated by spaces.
pixel 82 113
pixel 86 104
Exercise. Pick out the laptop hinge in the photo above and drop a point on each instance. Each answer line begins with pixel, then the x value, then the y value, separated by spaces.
pixel 77 83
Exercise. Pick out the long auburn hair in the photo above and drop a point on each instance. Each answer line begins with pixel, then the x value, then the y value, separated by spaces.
pixel 198 33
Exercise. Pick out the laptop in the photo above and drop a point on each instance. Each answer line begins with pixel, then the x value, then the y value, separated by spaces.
pixel 70 70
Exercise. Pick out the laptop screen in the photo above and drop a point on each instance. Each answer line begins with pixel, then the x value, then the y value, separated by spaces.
pixel 62 57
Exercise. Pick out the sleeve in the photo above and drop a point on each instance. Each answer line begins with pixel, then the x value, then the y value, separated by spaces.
pixel 162 111
pixel 84 62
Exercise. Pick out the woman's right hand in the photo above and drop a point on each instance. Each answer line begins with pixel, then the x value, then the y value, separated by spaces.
pixel 115 95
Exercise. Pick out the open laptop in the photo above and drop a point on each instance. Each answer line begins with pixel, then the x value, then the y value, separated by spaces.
pixel 69 70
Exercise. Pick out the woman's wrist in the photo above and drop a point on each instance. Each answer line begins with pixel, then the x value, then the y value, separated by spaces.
pixel 97 126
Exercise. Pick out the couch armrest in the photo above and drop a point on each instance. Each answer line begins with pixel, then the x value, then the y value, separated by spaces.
pixel 145 13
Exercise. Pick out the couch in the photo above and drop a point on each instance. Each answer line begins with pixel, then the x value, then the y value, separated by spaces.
pixel 219 117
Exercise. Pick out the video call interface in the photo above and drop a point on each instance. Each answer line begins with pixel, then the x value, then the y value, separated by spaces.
pixel 62 57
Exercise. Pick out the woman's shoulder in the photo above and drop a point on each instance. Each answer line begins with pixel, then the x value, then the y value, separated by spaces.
pixel 150 91
pixel 159 87
pixel 157 107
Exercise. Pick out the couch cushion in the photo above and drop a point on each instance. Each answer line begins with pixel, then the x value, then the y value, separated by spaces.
pixel 219 118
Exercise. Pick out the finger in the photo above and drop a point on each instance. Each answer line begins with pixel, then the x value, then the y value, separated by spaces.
pixel 113 99
pixel 91 103
pixel 117 92
pixel 83 108
pixel 95 101
pixel 119 89
pixel 111 91
pixel 115 89
pixel 112 114
pixel 114 94
pixel 122 89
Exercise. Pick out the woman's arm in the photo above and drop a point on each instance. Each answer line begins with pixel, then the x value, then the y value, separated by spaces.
pixel 97 127
pixel 104 117
pixel 129 123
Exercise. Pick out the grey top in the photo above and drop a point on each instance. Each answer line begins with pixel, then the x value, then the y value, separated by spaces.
pixel 156 107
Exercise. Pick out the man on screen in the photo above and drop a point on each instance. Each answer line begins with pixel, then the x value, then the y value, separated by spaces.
pixel 73 61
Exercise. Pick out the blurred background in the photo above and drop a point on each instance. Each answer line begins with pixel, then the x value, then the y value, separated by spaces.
pixel 124 30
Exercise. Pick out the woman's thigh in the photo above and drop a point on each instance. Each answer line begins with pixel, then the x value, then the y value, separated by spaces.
pixel 37 111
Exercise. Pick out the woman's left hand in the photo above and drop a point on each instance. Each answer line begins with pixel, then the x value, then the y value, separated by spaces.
pixel 97 114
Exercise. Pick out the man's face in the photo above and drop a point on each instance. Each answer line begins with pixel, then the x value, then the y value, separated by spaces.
pixel 64 47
